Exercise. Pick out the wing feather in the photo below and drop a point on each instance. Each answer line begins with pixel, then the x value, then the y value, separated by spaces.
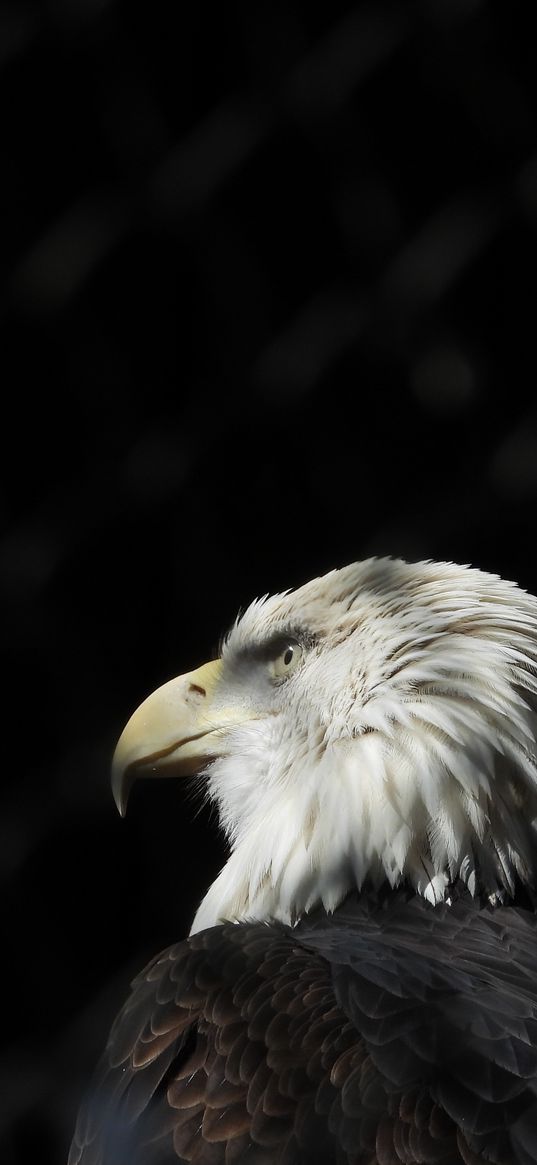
pixel 389 1033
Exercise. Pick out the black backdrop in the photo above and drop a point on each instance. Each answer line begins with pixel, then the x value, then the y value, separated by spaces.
pixel 268 307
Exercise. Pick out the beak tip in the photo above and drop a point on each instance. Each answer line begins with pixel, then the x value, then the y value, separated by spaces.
pixel 121 784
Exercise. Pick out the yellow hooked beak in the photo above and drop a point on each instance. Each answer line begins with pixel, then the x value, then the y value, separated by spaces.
pixel 173 733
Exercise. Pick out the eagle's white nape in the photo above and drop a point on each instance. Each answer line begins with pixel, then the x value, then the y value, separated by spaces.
pixel 402 746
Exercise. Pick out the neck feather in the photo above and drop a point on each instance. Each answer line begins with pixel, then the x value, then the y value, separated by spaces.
pixel 369 815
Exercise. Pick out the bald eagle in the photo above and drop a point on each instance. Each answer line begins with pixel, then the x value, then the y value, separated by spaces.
pixel 359 985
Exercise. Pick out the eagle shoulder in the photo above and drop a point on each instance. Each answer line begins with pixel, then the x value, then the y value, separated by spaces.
pixel 390 1031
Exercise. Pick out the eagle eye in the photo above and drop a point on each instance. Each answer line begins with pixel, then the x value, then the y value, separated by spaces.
pixel 285 659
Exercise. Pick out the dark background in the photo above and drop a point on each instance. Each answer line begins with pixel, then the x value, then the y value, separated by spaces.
pixel 268 307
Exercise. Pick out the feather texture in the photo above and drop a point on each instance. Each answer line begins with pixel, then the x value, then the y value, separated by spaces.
pixel 403 748
pixel 390 1031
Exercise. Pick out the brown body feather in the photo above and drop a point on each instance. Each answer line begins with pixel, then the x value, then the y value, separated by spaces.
pixel 391 1032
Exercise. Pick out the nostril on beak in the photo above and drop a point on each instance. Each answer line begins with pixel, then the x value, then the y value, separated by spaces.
pixel 198 689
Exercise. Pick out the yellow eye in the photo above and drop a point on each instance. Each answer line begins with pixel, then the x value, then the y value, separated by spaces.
pixel 286 661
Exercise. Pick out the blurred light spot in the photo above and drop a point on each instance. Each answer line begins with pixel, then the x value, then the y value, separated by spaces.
pixel 325 78
pixel 439 254
pixel 61 262
pixel 156 466
pixel 298 357
pixel 443 379
pixel 218 146
pixel 514 466
pixel 230 134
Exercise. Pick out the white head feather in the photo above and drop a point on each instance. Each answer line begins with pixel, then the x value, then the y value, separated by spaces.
pixel 401 747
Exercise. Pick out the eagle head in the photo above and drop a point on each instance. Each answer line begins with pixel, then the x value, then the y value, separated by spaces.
pixel 378 723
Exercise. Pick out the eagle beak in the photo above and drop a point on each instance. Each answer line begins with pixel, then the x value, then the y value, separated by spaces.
pixel 173 733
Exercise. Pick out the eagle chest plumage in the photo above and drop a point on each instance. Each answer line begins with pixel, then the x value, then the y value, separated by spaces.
pixel 359 986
